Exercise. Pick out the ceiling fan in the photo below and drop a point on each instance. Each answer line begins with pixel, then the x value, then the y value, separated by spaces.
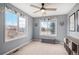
pixel 43 8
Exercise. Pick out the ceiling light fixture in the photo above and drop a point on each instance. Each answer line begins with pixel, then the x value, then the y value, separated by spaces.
pixel 42 10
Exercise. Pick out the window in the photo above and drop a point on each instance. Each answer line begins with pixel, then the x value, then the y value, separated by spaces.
pixel 11 25
pixel 48 27
pixel 22 25
pixel 51 28
pixel 43 28
pixel 72 22
pixel 14 25
pixel 78 22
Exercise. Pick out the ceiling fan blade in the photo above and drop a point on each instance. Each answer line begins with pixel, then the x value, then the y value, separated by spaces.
pixel 50 9
pixel 36 11
pixel 35 6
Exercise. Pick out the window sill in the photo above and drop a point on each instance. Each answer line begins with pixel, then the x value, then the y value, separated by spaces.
pixel 19 37
pixel 48 35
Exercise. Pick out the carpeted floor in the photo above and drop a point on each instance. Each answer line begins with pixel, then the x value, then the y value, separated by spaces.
pixel 38 48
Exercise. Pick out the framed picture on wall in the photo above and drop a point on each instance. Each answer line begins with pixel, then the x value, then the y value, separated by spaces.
pixel 72 22
pixel 78 21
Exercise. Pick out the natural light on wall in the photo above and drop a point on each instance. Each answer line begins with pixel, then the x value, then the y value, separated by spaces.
pixel 14 25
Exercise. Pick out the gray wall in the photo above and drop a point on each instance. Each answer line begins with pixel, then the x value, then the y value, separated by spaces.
pixel 69 33
pixel 61 30
pixel 1 28
pixel 7 46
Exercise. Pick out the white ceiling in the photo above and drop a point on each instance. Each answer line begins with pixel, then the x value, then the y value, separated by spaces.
pixel 62 8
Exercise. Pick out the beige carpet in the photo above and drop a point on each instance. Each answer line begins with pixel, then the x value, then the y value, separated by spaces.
pixel 38 48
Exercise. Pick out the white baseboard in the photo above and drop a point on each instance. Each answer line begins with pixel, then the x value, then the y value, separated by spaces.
pixel 17 48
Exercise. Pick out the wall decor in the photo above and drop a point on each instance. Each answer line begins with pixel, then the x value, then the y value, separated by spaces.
pixel 62 23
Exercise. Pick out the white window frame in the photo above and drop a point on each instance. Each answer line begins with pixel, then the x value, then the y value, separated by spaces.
pixel 72 22
pixel 52 20
pixel 19 37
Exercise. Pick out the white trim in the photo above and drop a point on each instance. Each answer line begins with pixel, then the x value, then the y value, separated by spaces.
pixel 17 47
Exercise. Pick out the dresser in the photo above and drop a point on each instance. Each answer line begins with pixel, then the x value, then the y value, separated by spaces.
pixel 71 45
